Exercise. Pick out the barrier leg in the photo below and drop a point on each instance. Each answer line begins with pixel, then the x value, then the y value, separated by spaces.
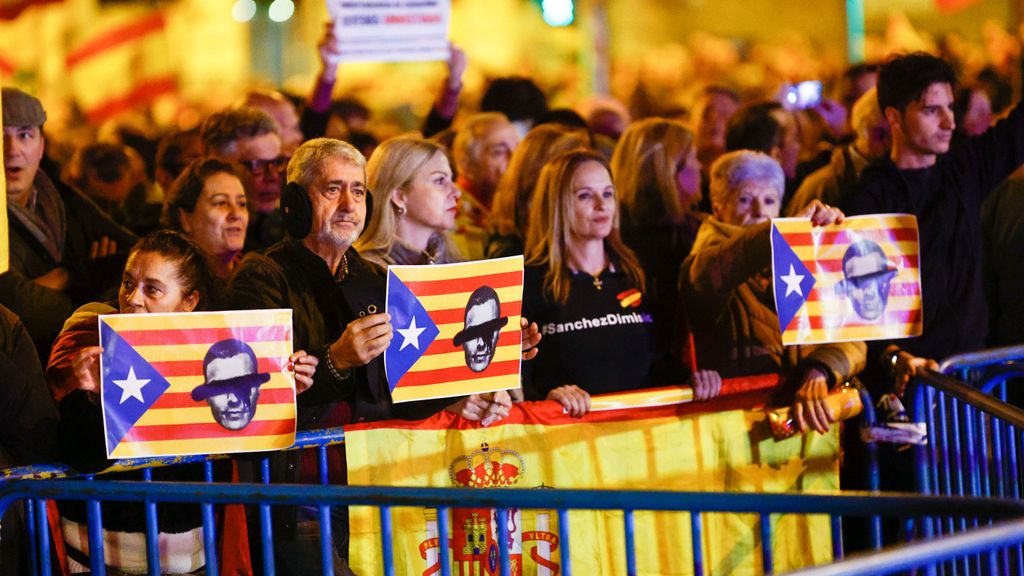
pixel 326 532
pixel 627 521
pixel 43 530
pixel 95 522
pixel 697 542
pixel 563 530
pixel 442 542
pixel 837 536
pixel 209 527
pixel 30 529
pixel 503 538
pixel 766 543
pixel 385 541
pixel 152 531
pixel 266 530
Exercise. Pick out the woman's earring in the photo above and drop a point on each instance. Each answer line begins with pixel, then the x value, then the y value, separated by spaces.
pixel 400 210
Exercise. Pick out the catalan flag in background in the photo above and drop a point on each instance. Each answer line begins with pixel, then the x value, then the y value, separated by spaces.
pixel 719 445
pixel 196 383
pixel 856 281
pixel 121 61
pixel 456 328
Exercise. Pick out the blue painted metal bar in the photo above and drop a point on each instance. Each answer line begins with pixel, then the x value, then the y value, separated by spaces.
pixel 43 530
pixel 981 359
pixel 926 553
pixel 628 531
pixel 697 542
pixel 973 486
pixel 94 518
pixel 837 536
pixel 504 556
pixel 563 530
pixel 999 461
pixel 872 475
pixel 152 530
pixel 324 515
pixel 386 533
pixel 766 543
pixel 209 526
pixel 442 541
pixel 30 526
pixel 266 528
pixel 982 454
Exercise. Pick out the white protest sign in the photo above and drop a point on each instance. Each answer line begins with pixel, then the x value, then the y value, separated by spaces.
pixel 391 30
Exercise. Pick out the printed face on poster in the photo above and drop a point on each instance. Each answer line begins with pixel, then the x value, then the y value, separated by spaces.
pixel 856 281
pixel 456 328
pixel 196 383
pixel 391 30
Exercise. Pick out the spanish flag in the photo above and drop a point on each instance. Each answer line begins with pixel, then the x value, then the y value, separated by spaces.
pixel 121 61
pixel 721 445
pixel 856 281
pixel 196 383
pixel 456 328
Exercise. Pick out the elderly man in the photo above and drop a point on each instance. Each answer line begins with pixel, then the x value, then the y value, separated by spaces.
pixel 482 149
pixel 63 249
pixel 727 286
pixel 337 299
pixel 834 181
pixel 252 138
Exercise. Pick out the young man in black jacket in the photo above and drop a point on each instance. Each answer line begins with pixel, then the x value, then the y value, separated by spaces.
pixel 944 189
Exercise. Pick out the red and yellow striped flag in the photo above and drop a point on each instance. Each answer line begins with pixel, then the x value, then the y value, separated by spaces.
pixel 122 61
pixel 197 383
pixel 456 328
pixel 856 281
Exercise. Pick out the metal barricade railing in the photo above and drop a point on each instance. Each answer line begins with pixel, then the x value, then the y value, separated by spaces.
pixel 39 556
pixel 975 448
pixel 504 500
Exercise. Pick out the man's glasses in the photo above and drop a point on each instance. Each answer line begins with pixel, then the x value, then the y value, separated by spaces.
pixel 260 167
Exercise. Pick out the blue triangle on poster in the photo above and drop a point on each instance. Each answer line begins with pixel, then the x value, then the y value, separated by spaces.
pixel 414 330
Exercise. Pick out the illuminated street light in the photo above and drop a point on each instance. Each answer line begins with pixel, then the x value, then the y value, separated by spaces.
pixel 281 10
pixel 243 10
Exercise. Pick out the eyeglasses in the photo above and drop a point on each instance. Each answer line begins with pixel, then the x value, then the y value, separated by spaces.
pixel 259 167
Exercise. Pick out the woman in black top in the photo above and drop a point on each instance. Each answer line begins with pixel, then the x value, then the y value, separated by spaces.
pixel 584 288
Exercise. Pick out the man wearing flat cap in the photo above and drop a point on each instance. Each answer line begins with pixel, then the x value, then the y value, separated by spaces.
pixel 63 248
pixel 479 336
pixel 232 386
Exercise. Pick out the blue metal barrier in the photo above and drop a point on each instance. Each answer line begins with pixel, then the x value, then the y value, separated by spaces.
pixel 837 506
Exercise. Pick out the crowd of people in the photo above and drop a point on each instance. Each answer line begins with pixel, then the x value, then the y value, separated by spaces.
pixel 646 245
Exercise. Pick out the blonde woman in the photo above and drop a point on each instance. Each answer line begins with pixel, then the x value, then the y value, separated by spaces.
pixel 657 178
pixel 416 203
pixel 584 288
pixel 515 189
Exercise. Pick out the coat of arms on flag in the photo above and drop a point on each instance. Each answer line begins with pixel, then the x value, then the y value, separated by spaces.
pixel 859 280
pixel 196 383
pixel 456 328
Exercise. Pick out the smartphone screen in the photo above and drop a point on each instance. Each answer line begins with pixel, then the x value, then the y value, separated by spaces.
pixel 804 95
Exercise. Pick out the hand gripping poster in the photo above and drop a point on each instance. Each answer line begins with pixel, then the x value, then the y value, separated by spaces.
pixel 859 280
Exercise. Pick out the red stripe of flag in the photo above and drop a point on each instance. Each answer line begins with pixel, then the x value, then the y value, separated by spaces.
pixel 443 375
pixel 6 66
pixel 458 315
pixel 906 317
pixel 171 400
pixel 249 334
pixel 832 237
pixel 172 368
pixel 456 285
pixel 142 93
pixel 206 431
pixel 114 37
pixel 446 345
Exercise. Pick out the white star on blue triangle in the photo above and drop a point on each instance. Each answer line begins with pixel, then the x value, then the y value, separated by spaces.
pixel 412 323
pixel 793 281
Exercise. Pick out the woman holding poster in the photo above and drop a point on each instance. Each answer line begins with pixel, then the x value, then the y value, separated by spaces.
pixel 726 287
pixel 165 272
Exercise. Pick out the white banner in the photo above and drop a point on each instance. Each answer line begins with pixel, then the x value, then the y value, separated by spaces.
pixel 391 30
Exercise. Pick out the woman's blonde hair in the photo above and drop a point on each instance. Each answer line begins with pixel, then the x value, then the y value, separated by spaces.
pixel 392 167
pixel 515 189
pixel 644 169
pixel 547 239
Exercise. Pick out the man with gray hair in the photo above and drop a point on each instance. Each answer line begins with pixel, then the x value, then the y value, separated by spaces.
pixel 252 138
pixel 835 180
pixel 337 300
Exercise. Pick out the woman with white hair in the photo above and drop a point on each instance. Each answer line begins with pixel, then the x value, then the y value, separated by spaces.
pixel 726 286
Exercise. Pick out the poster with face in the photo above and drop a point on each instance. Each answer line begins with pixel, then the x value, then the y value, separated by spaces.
pixel 456 328
pixel 183 383
pixel 859 280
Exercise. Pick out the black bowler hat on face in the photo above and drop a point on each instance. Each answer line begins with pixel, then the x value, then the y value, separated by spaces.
pixel 239 384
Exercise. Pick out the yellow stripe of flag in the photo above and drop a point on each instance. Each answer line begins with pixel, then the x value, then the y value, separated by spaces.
pixel 481 268
pixel 456 359
pixel 171 352
pixel 199 320
pixel 807 253
pixel 458 300
pixel 872 222
pixel 450 389
pixel 200 414
pixel 202 446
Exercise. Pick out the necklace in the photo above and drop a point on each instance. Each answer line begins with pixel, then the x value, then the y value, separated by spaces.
pixel 597 281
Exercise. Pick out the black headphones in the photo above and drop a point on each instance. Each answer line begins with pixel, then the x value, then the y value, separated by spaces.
pixel 297 211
